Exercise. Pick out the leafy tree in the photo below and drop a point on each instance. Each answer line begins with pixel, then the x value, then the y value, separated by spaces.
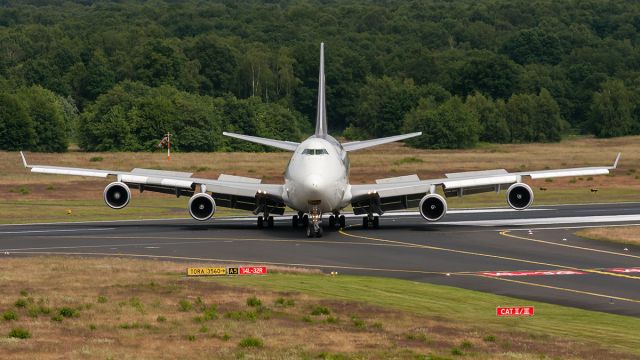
pixel 447 126
pixel 492 74
pixel 534 118
pixel 533 46
pixel 612 110
pixel 16 127
pixel 383 104
pixel 47 116
pixel 491 115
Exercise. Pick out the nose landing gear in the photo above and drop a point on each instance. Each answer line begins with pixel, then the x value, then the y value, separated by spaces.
pixel 265 219
pixel 314 223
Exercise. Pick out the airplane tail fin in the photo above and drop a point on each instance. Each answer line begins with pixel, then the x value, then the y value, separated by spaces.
pixel 321 116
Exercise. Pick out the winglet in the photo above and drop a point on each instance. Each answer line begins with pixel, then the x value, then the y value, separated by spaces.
pixel 615 164
pixel 24 161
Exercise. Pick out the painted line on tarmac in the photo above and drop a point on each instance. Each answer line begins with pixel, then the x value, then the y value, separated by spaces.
pixel 584 248
pixel 559 288
pixel 52 231
pixel 193 240
pixel 571 227
pixel 472 253
pixel 546 221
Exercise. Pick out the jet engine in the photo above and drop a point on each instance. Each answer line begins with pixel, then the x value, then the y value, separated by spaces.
pixel 202 206
pixel 432 207
pixel 519 196
pixel 117 195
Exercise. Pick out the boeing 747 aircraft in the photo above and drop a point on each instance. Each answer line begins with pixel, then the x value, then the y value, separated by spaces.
pixel 316 182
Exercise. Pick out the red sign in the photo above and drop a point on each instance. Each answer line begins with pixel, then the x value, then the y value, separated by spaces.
pixel 533 273
pixel 515 311
pixel 625 271
pixel 253 270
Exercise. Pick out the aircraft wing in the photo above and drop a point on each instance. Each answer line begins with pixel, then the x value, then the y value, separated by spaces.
pixel 228 190
pixel 406 191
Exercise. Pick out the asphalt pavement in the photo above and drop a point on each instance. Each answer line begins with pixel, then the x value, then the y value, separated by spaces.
pixel 531 254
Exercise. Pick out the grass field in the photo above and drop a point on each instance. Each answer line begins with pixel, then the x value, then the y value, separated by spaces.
pixel 624 234
pixel 115 308
pixel 19 189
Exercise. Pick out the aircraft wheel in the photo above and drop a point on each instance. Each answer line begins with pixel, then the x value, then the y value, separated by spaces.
pixel 365 222
pixel 342 221
pixel 305 220
pixel 376 222
pixel 332 221
pixel 270 221
pixel 319 232
pixel 294 220
pixel 260 222
pixel 310 231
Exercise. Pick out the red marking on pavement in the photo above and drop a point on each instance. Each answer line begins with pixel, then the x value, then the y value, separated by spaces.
pixel 533 273
pixel 625 271
pixel 253 270
pixel 515 311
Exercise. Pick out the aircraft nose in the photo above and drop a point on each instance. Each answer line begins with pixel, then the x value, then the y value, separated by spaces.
pixel 314 184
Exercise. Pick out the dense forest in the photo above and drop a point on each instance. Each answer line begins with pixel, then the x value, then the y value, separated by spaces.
pixel 117 75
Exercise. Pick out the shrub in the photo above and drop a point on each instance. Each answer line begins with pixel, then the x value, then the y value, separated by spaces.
pixel 489 338
pixel 191 337
pixel 456 351
pixel 184 305
pixel 254 301
pixel 9 315
pixel 332 320
pixel 210 313
pixel 203 329
pixel 92 327
pixel 102 299
pixel 96 159
pixel 284 302
pixel 68 312
pixel 20 303
pixel 359 323
pixel 307 319
pixel 36 310
pixel 251 342
pixel 57 318
pixel 24 292
pixel 241 315
pixel 466 345
pixel 20 333
pixel 320 310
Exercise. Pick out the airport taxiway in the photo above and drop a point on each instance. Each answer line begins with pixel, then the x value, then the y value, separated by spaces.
pixel 532 254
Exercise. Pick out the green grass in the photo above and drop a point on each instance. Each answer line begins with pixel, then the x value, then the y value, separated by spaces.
pixel 477 310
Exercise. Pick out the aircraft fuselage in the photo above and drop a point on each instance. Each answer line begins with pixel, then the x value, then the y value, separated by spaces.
pixel 317 176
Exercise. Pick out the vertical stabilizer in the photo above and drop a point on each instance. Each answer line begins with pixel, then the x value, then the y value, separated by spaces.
pixel 321 117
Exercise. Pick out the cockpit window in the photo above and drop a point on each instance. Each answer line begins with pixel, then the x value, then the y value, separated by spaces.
pixel 315 152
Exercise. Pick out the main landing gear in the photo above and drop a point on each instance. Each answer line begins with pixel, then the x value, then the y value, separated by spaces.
pixel 265 219
pixel 374 221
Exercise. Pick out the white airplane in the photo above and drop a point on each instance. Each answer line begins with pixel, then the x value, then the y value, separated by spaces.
pixel 316 182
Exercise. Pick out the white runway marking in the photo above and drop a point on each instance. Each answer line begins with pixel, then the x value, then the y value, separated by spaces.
pixel 52 230
pixel 546 221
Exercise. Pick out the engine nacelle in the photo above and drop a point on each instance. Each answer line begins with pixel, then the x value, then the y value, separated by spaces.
pixel 519 196
pixel 201 206
pixel 432 207
pixel 117 195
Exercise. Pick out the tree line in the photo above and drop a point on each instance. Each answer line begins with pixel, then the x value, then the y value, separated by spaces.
pixel 117 75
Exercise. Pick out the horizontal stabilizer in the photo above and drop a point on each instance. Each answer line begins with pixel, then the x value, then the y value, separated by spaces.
pixel 284 145
pixel 357 145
